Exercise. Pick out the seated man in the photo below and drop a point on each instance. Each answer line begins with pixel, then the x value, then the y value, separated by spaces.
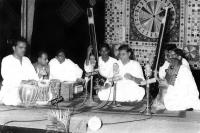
pixel 172 52
pixel 15 68
pixel 105 65
pixel 131 74
pixel 178 90
pixel 106 62
pixel 41 66
pixel 64 69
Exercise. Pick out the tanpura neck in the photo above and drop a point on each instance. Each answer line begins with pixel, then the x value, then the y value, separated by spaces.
pixel 105 59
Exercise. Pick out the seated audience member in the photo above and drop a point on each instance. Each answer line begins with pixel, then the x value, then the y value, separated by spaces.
pixel 15 68
pixel 64 69
pixel 172 51
pixel 131 75
pixel 41 66
pixel 105 62
pixel 178 90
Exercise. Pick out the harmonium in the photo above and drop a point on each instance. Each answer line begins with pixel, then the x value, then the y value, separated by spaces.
pixel 69 90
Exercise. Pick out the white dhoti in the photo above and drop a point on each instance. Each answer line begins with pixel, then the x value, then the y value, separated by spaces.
pixel 10 96
pixel 126 91
pixel 184 94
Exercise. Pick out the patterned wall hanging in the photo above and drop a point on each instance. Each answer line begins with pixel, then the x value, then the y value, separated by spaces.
pixel 137 22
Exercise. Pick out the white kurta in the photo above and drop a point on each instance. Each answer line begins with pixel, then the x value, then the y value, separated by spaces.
pixel 105 68
pixel 184 94
pixel 162 70
pixel 66 71
pixel 126 90
pixel 13 72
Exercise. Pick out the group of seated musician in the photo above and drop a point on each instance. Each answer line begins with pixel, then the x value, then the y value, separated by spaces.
pixel 127 87
pixel 177 87
pixel 16 68
pixel 180 91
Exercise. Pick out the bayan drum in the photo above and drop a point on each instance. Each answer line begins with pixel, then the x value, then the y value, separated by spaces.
pixel 28 92
pixel 43 92
pixel 55 87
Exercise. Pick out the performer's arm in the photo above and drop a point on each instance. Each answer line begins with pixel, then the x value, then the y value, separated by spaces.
pixel 133 78
pixel 138 77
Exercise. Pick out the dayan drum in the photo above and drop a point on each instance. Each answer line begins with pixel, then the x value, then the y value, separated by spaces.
pixel 55 87
pixel 28 92
pixel 43 92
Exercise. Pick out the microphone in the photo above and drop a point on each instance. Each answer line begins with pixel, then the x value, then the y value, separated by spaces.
pixel 115 69
pixel 148 70
pixel 56 100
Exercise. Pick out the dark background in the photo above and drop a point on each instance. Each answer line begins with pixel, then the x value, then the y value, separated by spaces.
pixel 50 30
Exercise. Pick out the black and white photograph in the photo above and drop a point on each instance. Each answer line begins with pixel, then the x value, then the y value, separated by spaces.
pixel 99 66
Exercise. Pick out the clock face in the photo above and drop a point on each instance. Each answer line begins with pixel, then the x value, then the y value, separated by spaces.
pixel 148 15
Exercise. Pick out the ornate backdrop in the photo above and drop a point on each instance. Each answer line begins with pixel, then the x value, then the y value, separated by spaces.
pixel 137 23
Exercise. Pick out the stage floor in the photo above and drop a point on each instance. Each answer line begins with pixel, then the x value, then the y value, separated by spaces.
pixel 113 122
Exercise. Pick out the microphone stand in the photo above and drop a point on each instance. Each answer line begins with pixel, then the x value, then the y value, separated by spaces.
pixel 147 110
pixel 90 101
pixel 115 103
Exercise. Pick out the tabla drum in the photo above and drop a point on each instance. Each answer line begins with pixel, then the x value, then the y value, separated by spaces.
pixel 55 87
pixel 43 92
pixel 67 89
pixel 28 92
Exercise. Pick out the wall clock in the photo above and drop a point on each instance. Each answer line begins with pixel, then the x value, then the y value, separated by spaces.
pixel 148 16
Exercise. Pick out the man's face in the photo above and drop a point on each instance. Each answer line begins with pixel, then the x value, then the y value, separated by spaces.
pixel 172 54
pixel 92 60
pixel 175 62
pixel 43 60
pixel 61 57
pixel 20 49
pixel 166 55
pixel 104 52
pixel 124 55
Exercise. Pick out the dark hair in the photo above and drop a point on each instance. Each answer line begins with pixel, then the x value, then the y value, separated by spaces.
pixel 20 39
pixel 125 47
pixel 179 52
pixel 128 49
pixel 105 45
pixel 41 53
pixel 60 51
pixel 170 47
